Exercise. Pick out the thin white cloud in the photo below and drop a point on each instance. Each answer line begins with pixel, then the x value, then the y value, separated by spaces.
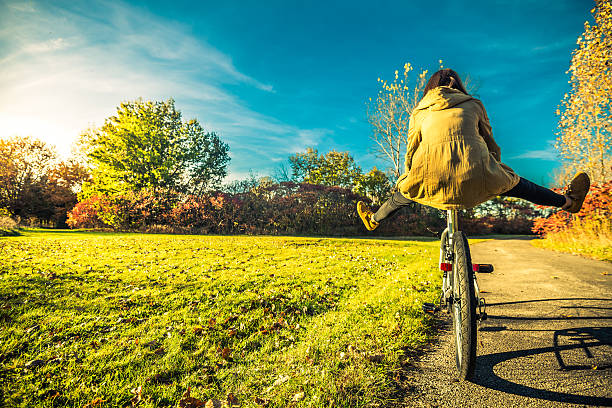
pixel 45 46
pixel 68 70
pixel 543 154
pixel 23 6
pixel 549 153
pixel 521 49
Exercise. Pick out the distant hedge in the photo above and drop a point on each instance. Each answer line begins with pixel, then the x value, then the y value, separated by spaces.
pixel 285 208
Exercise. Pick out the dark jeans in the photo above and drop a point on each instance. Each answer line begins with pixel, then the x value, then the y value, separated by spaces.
pixel 391 206
pixel 536 194
pixel 524 189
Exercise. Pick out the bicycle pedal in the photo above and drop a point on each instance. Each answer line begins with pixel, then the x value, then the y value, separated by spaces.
pixel 482 268
pixel 430 308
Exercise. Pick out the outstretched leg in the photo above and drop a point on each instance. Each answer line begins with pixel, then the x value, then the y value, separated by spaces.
pixel 535 193
pixel 571 201
pixel 389 207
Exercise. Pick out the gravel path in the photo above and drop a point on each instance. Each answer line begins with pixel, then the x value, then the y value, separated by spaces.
pixel 547 341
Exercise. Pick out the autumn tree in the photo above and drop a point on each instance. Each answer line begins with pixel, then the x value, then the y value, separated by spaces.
pixel 585 124
pixel 332 168
pixel 24 166
pixel 34 183
pixel 146 144
pixel 64 181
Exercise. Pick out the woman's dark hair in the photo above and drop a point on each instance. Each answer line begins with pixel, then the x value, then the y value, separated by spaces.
pixel 444 77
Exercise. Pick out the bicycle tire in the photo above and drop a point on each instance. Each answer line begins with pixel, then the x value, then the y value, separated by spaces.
pixel 464 308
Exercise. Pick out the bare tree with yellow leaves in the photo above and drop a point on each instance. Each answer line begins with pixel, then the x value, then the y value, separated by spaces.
pixel 585 124
pixel 389 115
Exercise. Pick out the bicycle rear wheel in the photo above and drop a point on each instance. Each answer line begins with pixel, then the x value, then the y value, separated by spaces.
pixel 464 308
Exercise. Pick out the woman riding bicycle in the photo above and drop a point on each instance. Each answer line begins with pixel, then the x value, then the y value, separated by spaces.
pixel 452 161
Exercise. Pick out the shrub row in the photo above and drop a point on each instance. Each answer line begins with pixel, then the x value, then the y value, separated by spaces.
pixel 279 209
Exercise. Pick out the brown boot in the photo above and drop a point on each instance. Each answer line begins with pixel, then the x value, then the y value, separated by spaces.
pixel 576 192
pixel 366 216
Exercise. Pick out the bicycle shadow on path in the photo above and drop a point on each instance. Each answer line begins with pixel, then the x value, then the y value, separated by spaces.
pixel 582 339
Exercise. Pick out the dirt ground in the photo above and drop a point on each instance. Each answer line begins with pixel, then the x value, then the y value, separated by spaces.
pixel 547 341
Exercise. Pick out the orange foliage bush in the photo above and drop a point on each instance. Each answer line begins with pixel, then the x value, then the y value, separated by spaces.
pixel 597 207
pixel 88 213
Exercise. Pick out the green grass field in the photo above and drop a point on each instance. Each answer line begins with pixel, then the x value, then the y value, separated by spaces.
pixel 101 319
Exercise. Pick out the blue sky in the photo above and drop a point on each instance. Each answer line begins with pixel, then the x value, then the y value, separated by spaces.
pixel 274 77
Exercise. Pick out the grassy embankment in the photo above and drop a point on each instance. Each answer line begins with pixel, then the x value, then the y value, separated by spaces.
pixel 590 237
pixel 109 319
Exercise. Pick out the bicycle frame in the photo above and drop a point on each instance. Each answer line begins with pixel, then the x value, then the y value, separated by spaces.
pixel 446 253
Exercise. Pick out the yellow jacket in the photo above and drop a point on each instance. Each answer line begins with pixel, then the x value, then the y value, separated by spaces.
pixel 452 161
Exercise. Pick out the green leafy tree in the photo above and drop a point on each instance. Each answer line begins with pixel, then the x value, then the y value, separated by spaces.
pixel 148 145
pixel 331 169
pixel 375 185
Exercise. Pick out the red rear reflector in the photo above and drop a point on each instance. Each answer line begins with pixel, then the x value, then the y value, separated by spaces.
pixel 444 266
pixel 475 267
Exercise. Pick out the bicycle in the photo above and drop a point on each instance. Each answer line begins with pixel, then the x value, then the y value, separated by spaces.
pixel 460 294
